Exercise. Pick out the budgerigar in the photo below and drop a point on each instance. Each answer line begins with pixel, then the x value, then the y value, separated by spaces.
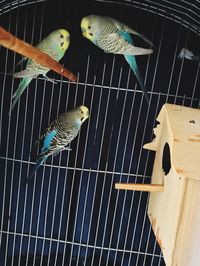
pixel 55 45
pixel 59 134
pixel 115 37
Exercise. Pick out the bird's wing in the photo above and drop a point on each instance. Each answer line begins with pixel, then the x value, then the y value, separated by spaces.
pixel 124 47
pixel 23 60
pixel 49 141
pixel 123 27
pixel 26 73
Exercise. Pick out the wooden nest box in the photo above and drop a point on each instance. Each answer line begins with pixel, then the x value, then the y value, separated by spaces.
pixel 174 211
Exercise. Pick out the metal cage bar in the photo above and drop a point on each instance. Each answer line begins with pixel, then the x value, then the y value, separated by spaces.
pixel 70 212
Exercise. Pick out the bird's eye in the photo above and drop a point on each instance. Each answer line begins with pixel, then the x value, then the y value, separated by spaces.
pixel 81 112
pixel 61 36
pixel 89 27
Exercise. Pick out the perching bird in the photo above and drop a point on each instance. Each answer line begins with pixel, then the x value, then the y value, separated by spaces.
pixel 59 134
pixel 55 45
pixel 115 37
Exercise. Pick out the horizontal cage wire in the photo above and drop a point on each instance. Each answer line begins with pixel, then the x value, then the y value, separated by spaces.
pixel 181 11
pixel 70 213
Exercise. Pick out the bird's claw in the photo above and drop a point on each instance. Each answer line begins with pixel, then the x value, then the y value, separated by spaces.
pixel 67 148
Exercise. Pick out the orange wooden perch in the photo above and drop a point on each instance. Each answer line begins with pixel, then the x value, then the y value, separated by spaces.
pixel 13 43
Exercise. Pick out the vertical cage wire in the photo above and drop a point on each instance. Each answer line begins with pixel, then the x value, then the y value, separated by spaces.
pixel 70 213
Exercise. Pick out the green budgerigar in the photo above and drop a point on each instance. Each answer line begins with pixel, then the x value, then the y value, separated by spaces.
pixel 59 134
pixel 55 45
pixel 114 37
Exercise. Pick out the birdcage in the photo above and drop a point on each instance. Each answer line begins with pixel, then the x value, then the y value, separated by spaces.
pixel 70 213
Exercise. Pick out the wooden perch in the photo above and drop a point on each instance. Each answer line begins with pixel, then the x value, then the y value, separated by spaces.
pixel 140 187
pixel 13 43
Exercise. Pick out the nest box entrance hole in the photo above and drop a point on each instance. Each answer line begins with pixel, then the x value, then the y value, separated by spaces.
pixel 166 159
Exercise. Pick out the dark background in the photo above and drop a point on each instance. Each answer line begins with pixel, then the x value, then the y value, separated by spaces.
pixel 70 213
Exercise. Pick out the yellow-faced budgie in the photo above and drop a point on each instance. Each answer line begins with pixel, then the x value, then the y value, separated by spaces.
pixel 59 134
pixel 115 37
pixel 55 45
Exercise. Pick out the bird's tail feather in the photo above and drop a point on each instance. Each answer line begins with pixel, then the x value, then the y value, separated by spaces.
pixel 38 164
pixel 133 64
pixel 22 86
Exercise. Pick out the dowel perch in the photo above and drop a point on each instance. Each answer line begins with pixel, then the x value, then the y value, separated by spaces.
pixel 140 187
pixel 15 44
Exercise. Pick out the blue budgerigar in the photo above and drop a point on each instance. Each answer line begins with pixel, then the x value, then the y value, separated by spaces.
pixel 55 45
pixel 115 37
pixel 59 134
